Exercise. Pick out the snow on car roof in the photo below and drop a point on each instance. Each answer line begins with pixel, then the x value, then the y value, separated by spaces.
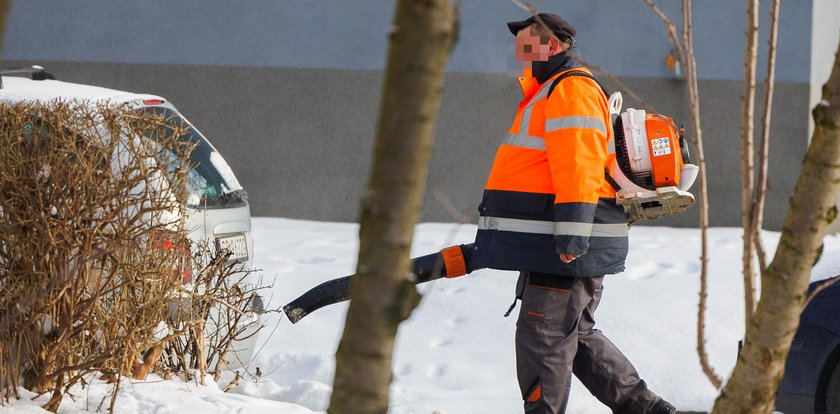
pixel 18 89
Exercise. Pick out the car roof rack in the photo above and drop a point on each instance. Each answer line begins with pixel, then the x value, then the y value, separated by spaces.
pixel 35 72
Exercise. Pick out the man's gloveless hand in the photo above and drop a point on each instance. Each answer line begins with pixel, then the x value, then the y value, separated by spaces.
pixel 567 258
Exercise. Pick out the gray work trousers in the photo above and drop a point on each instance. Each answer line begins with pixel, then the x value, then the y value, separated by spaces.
pixel 555 337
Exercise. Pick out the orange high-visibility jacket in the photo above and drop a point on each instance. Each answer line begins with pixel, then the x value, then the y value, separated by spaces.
pixel 547 192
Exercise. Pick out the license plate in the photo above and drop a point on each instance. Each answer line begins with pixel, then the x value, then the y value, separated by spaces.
pixel 236 245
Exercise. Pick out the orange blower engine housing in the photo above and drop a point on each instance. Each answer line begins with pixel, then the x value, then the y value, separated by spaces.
pixel 663 142
pixel 652 170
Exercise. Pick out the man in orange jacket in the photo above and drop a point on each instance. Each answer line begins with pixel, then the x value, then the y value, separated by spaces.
pixel 549 212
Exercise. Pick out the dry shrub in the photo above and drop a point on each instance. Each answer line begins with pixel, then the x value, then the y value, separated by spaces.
pixel 90 209
pixel 217 309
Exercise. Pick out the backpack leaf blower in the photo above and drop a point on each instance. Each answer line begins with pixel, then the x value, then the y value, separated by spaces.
pixel 652 171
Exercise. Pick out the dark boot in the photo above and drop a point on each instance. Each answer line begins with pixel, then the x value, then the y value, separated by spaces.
pixel 663 407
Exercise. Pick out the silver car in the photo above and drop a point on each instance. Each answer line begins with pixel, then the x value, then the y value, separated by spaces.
pixel 217 207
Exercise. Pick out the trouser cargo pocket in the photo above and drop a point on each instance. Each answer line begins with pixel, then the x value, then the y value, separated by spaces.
pixel 545 297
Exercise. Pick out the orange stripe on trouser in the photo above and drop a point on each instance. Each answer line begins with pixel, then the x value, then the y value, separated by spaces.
pixel 535 395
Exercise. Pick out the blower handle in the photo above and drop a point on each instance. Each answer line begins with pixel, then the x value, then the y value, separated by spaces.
pixel 615 103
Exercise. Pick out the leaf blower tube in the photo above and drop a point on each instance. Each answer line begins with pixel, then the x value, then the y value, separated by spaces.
pixel 450 262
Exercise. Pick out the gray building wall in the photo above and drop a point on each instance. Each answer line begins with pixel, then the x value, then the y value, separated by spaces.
pixel 826 35
pixel 288 91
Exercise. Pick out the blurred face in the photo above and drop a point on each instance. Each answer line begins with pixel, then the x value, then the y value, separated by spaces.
pixel 529 47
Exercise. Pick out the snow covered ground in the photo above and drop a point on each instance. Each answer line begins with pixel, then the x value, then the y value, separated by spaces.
pixel 455 354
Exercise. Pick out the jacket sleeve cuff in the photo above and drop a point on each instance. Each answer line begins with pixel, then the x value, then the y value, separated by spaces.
pixel 565 244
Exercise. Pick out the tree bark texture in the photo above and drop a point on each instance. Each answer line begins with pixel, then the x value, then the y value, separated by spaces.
pixel 760 366
pixel 381 294
pixel 747 155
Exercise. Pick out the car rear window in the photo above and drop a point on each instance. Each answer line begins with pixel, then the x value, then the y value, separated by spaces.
pixel 211 183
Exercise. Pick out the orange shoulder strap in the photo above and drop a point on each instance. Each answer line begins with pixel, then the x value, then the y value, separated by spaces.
pixel 575 73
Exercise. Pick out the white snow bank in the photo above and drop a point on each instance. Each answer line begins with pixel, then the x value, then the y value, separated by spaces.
pixel 455 354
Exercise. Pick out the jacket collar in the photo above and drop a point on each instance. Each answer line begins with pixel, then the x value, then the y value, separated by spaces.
pixel 540 72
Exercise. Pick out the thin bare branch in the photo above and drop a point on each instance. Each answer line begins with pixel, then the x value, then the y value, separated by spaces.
pixel 672 34
pixel 747 157
pixel 757 213
pixel 760 252
pixel 233 383
pixel 526 5
pixel 450 208
pixel 215 299
pixel 703 211
pixel 621 85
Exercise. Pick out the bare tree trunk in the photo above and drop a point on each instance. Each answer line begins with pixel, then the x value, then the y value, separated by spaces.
pixel 760 366
pixel 381 294
pixel 747 154
pixel 764 153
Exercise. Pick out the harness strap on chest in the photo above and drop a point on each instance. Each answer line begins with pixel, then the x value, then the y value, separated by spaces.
pixel 576 73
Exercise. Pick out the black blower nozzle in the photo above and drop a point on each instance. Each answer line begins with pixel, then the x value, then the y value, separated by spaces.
pixel 450 262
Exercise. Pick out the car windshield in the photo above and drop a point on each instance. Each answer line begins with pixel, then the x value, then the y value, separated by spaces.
pixel 211 183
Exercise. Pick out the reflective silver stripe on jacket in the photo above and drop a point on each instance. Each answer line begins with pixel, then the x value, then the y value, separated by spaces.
pixel 565 122
pixel 521 137
pixel 517 225
pixel 549 227
pixel 525 141
pixel 570 228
